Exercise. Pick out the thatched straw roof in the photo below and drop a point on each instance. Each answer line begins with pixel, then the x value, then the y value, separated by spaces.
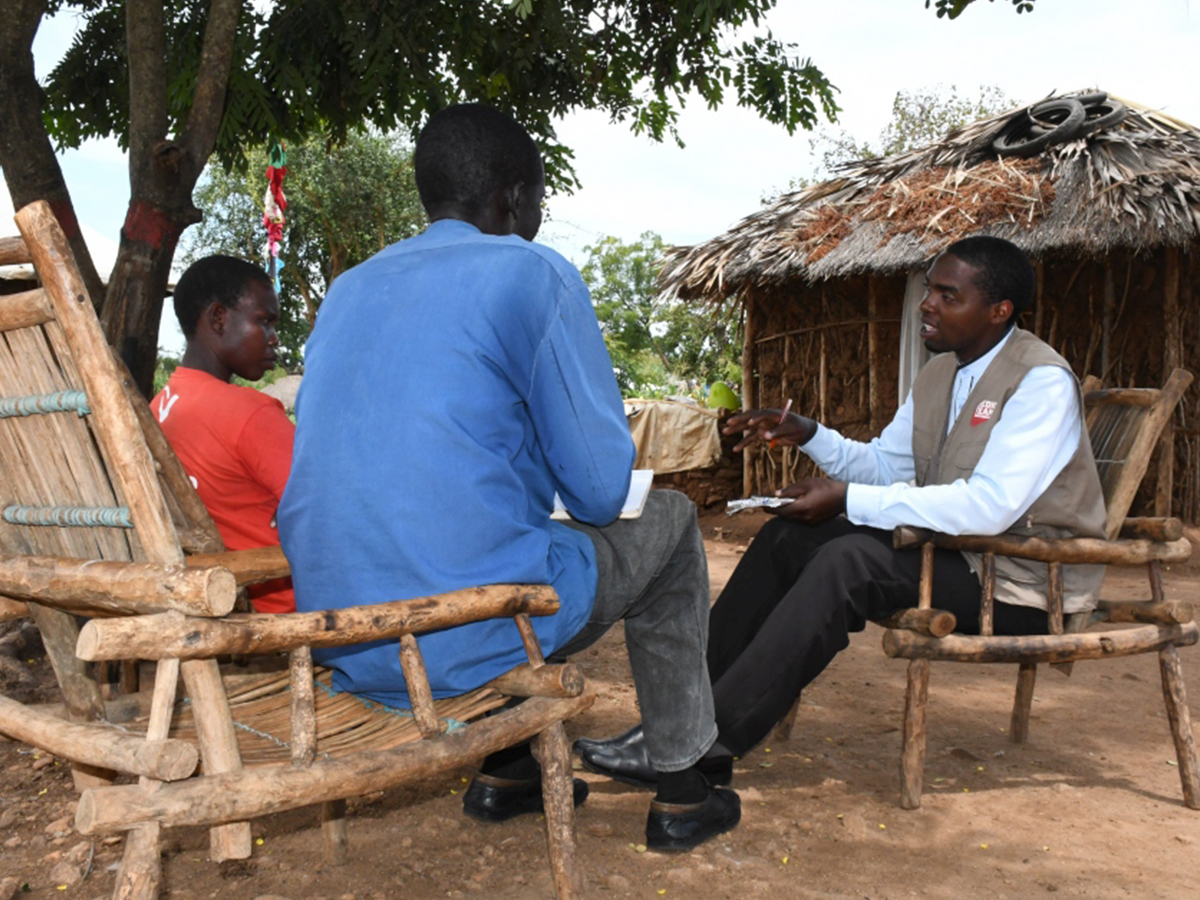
pixel 1134 185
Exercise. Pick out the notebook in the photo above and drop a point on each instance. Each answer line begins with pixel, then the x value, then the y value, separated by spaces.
pixel 635 502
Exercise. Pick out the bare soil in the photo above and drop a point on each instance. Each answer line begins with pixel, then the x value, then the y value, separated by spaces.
pixel 1089 807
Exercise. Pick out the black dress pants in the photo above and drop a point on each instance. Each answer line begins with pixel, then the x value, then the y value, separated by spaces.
pixel 796 596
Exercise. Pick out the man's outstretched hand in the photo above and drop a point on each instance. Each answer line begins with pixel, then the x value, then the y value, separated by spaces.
pixel 816 499
pixel 765 425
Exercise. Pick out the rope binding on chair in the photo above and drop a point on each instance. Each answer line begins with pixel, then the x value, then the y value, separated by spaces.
pixel 40 404
pixel 64 516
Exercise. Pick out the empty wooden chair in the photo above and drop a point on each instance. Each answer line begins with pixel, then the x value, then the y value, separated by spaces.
pixel 95 513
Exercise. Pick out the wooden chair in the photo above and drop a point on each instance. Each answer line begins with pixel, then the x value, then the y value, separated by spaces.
pixel 1124 426
pixel 95 513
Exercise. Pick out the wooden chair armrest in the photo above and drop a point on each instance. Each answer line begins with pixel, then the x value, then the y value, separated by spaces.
pixel 1166 612
pixel 113 588
pixel 176 636
pixel 929 622
pixel 1062 550
pixel 1152 529
pixel 247 566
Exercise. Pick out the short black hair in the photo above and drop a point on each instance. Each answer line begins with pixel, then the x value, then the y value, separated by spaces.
pixel 1004 272
pixel 467 152
pixel 214 279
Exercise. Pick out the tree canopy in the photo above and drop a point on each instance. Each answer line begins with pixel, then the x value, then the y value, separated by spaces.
pixel 300 67
pixel 658 346
pixel 345 203
pixel 176 81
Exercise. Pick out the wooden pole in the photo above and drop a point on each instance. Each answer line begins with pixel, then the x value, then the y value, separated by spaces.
pixel 558 801
pixel 912 760
pixel 197 533
pixel 565 680
pixel 24 310
pixel 932 622
pixel 1166 612
pixel 1065 550
pixel 81 694
pixel 128 460
pixel 1038 305
pixel 108 587
pixel 1106 319
pixel 925 589
pixel 420 697
pixel 1038 648
pixel 749 360
pixel 1172 352
pixel 304 751
pixel 1175 695
pixel 234 796
pixel 874 403
pixel 987 600
pixel 247 566
pixel 11 609
pixel 218 749
pixel 1018 731
pixel 173 635
pixel 13 252
pixel 100 745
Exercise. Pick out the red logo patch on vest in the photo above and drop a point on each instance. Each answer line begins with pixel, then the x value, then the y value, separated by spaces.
pixel 984 411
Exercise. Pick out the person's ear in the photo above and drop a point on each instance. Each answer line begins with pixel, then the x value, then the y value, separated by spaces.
pixel 1002 312
pixel 216 315
pixel 512 200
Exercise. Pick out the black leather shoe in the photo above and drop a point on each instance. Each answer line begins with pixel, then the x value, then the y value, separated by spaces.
pixel 625 759
pixel 675 827
pixel 491 799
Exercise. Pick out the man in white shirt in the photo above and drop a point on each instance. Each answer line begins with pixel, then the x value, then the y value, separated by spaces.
pixel 990 441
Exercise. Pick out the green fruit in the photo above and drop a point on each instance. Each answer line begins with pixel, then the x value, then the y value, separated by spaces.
pixel 721 397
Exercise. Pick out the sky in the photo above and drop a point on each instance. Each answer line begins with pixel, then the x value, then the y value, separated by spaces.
pixel 870 49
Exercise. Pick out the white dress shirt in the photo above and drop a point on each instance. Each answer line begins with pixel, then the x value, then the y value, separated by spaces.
pixel 1035 437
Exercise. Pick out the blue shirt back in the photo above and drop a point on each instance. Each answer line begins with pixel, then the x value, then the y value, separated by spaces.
pixel 452 384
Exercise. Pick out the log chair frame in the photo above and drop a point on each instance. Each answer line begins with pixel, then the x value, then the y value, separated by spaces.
pixel 1124 426
pixel 155 592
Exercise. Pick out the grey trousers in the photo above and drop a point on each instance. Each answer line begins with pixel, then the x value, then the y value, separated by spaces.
pixel 654 576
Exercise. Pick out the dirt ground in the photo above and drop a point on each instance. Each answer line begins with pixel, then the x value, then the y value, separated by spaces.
pixel 1089 807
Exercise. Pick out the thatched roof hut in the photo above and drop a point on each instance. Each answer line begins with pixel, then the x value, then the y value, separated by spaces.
pixel 828 277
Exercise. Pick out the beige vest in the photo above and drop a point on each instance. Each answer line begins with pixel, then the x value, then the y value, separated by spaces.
pixel 1073 505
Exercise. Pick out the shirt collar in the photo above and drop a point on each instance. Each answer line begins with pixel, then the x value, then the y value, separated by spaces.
pixel 975 368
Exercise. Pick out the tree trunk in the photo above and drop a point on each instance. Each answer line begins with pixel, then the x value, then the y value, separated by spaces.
pixel 162 175
pixel 30 167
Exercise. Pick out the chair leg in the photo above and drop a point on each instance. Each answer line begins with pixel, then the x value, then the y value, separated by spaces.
pixel 1175 695
pixel 1018 731
pixel 783 731
pixel 912 760
pixel 554 755
pixel 140 871
pixel 218 748
pixel 333 832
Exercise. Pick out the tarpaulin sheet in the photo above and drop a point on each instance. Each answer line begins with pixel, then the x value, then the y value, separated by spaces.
pixel 672 436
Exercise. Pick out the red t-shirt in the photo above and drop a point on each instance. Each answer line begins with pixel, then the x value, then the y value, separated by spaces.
pixel 236 445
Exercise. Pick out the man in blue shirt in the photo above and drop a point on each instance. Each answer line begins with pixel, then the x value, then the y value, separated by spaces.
pixel 454 382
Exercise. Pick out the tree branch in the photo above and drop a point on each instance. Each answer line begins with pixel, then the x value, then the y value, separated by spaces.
pixel 31 169
pixel 212 81
pixel 147 55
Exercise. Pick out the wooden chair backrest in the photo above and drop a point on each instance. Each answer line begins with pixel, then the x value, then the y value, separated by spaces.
pixel 1124 425
pixel 62 463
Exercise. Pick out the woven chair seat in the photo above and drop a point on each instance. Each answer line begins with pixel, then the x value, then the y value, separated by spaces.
pixel 346 724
